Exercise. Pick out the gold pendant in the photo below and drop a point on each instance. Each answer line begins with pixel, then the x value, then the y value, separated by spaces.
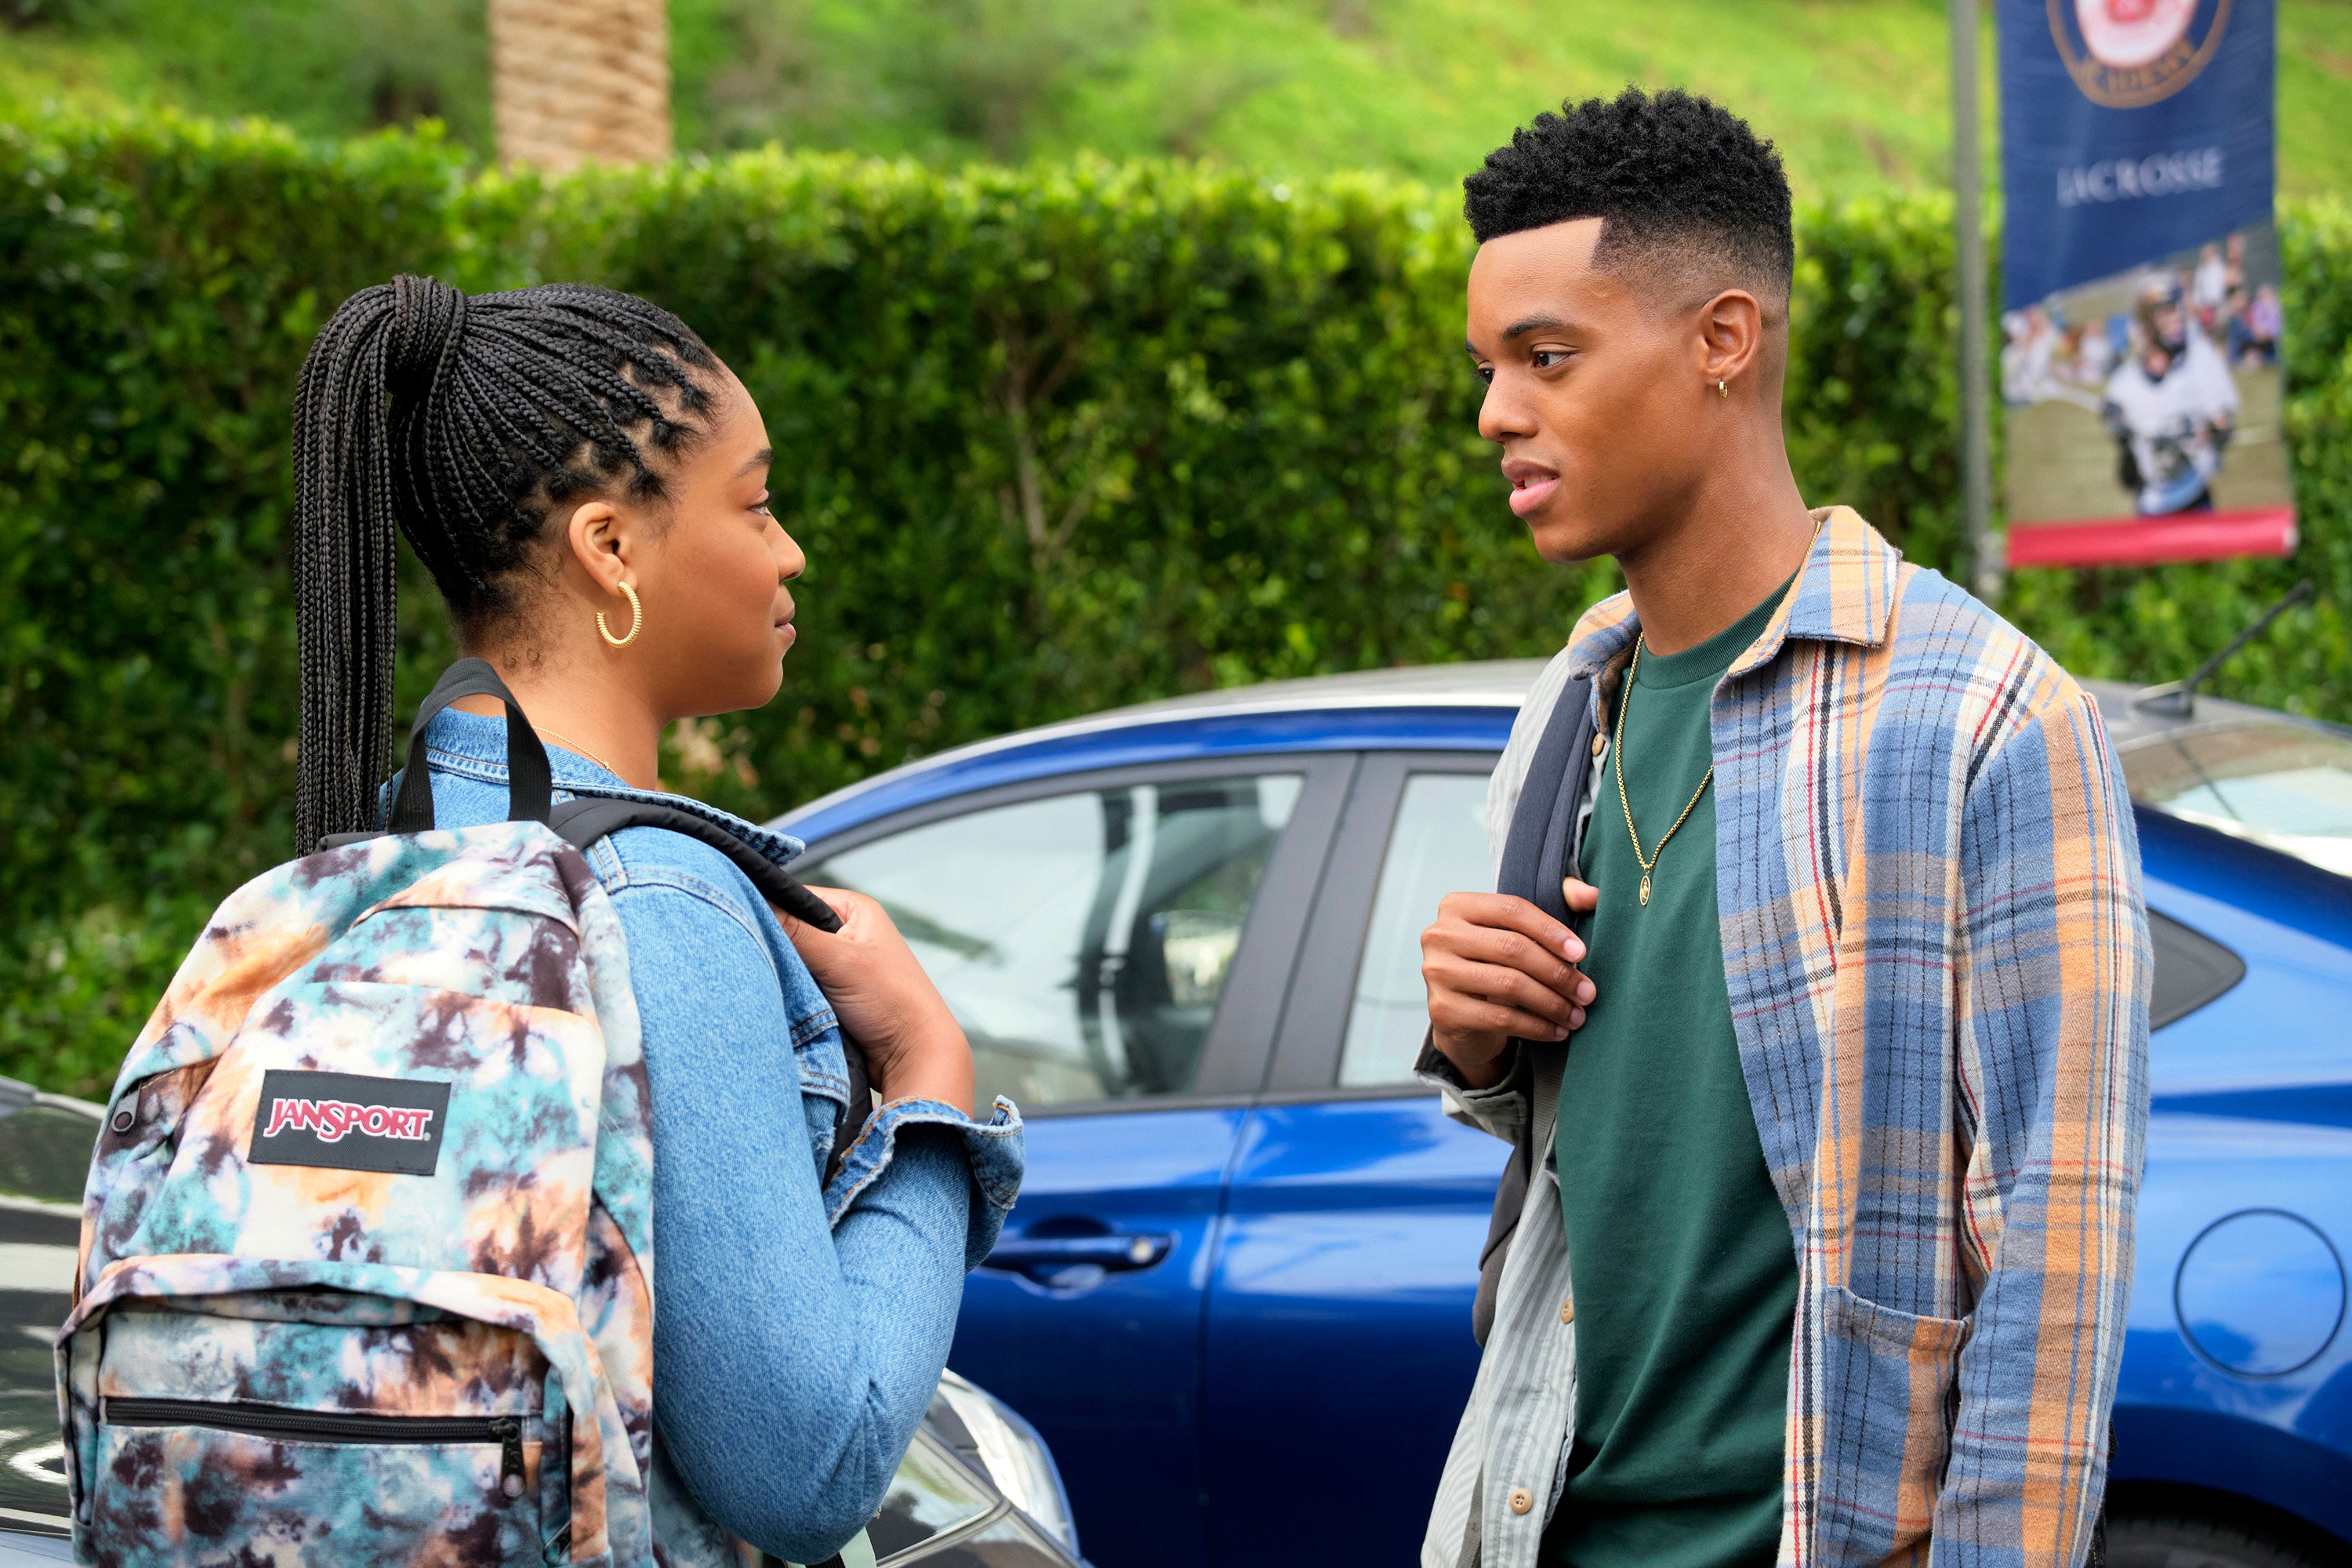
pixel 1646 889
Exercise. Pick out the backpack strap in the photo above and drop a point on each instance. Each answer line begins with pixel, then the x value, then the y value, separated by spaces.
pixel 530 797
pixel 582 822
pixel 1537 851
pixel 530 784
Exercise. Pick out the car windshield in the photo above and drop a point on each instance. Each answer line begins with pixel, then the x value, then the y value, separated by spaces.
pixel 2280 783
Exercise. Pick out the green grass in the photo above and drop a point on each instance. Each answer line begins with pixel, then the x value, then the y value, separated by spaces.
pixel 329 68
pixel 1852 91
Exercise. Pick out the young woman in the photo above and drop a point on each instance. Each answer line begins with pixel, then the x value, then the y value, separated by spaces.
pixel 587 484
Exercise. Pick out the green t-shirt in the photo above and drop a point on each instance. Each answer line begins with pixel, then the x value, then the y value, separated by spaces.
pixel 1679 1252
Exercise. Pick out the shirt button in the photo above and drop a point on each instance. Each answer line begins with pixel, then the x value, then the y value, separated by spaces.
pixel 1567 1311
pixel 1599 744
pixel 1522 1500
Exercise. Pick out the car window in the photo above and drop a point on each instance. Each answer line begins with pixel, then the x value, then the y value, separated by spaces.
pixel 1438 846
pixel 2189 969
pixel 2288 786
pixel 1083 940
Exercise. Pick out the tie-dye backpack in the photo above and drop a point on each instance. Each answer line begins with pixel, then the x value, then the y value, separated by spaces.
pixel 367 1246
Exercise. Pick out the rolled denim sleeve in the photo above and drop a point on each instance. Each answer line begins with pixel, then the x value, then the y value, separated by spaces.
pixel 993 1151
pixel 798 1335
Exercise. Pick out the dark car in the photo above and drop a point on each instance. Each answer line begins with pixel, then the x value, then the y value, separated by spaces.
pixel 978 1489
pixel 1236 1296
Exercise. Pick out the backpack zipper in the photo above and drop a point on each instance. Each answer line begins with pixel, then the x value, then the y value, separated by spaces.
pixel 253 1420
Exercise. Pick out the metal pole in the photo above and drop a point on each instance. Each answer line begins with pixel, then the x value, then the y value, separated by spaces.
pixel 1984 551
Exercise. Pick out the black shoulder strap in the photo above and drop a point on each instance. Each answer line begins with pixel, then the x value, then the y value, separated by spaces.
pixel 530 787
pixel 1535 858
pixel 530 797
pixel 581 823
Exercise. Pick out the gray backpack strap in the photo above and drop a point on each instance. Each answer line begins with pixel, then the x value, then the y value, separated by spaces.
pixel 1510 1197
pixel 1535 850
pixel 1536 856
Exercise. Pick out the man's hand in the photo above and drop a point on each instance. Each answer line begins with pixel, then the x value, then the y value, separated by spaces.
pixel 1496 966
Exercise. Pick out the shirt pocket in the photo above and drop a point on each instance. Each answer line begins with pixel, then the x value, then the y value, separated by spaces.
pixel 1887 1380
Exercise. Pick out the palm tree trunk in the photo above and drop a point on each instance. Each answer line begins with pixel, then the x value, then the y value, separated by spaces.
pixel 573 81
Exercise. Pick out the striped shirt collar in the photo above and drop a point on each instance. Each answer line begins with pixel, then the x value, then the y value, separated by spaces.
pixel 1845 593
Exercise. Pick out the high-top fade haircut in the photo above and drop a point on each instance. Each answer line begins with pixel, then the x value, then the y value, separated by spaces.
pixel 1686 193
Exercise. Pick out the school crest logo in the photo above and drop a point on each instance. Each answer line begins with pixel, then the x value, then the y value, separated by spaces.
pixel 2124 54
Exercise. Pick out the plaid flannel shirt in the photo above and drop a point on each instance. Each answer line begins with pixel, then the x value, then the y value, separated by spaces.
pixel 1937 957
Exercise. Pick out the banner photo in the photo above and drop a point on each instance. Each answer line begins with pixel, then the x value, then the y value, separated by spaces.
pixel 2140 282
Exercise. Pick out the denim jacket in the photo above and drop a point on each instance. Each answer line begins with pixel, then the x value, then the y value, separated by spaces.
pixel 800 1324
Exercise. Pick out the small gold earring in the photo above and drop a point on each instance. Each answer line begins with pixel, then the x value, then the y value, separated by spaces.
pixel 636 620
pixel 1721 390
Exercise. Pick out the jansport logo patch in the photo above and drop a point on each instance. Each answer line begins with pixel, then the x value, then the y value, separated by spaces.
pixel 344 1121
pixel 330 1118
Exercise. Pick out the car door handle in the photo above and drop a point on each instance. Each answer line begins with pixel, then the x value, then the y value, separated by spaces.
pixel 1053 1254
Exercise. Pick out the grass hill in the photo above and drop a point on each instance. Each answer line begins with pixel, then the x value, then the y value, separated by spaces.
pixel 1854 91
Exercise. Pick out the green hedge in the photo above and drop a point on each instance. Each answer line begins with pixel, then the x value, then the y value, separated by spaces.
pixel 1055 439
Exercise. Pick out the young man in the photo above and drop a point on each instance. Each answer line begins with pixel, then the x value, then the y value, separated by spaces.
pixel 1827 1232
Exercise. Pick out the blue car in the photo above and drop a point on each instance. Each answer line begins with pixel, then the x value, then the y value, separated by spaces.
pixel 1236 1296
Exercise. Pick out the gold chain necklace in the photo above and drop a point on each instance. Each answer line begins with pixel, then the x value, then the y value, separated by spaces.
pixel 1618 749
pixel 609 768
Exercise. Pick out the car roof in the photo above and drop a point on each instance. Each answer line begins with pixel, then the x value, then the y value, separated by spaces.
pixel 1490 687
pixel 2132 720
pixel 1474 683
pixel 1465 706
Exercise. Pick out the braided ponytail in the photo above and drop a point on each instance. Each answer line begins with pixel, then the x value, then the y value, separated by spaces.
pixel 466 425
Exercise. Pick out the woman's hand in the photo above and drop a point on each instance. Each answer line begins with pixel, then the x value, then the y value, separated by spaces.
pixel 914 1047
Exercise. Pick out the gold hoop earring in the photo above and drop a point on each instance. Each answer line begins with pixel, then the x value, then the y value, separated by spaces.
pixel 636 620
pixel 1721 390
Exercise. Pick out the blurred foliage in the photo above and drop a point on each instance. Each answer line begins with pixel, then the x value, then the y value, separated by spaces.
pixel 1055 439
pixel 330 67
pixel 1852 91
pixel 948 79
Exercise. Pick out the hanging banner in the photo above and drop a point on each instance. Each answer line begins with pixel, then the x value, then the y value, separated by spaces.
pixel 2140 282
